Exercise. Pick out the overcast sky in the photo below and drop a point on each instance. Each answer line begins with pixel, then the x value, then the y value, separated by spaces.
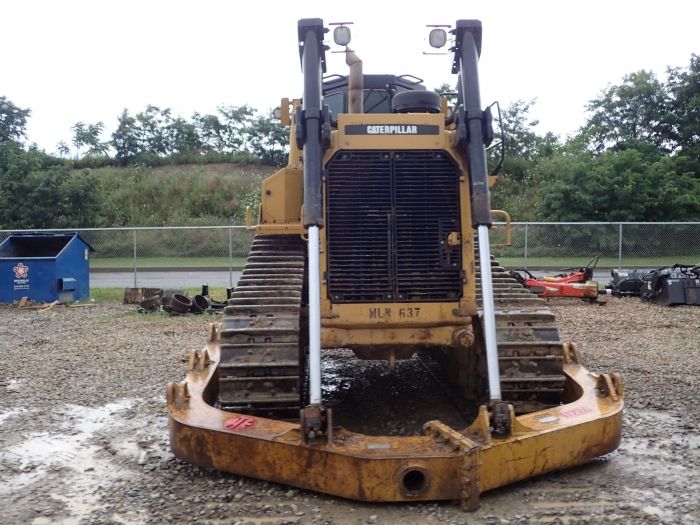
pixel 74 60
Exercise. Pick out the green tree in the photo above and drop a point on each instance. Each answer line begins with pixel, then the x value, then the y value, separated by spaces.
pixel 236 120
pixel 268 140
pixel 62 149
pixel 152 124
pixel 637 157
pixel 81 201
pixel 517 190
pixel 44 192
pixel 88 135
pixel 155 134
pixel 126 139
pixel 78 130
pixel 13 121
pixel 632 184
pixel 183 137
pixel 95 146
pixel 636 110
pixel 518 127
pixel 523 146
pixel 211 132
pixel 684 91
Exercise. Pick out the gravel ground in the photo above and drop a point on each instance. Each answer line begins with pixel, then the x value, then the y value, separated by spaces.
pixel 83 434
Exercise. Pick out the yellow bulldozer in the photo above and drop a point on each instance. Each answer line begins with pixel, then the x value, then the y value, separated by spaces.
pixel 375 238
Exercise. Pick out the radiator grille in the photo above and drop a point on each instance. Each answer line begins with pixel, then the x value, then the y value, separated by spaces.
pixel 388 218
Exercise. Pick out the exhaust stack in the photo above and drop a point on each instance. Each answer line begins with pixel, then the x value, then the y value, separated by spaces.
pixel 355 82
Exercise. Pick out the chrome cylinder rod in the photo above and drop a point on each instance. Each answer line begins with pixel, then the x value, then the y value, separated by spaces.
pixel 314 316
pixel 468 35
pixel 489 317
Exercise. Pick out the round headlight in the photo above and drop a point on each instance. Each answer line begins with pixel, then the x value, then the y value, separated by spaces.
pixel 341 35
pixel 437 37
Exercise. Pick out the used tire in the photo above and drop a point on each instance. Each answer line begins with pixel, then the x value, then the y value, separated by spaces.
pixel 180 303
pixel 150 303
pixel 199 304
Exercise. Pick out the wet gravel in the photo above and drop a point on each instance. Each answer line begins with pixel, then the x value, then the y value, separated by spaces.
pixel 83 433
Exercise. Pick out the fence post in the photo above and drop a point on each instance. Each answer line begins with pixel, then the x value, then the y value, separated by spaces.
pixel 526 246
pixel 619 250
pixel 135 280
pixel 230 257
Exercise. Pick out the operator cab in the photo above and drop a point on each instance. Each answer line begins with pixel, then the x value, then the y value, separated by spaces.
pixel 382 94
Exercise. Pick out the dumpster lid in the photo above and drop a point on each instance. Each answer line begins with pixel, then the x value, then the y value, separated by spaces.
pixel 38 244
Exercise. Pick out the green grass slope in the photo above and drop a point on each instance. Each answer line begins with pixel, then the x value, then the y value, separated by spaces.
pixel 197 194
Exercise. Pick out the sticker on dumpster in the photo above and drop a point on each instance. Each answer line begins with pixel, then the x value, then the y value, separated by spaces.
pixel 21 281
pixel 21 271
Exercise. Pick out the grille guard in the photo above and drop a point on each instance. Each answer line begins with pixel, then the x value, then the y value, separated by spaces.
pixel 393 221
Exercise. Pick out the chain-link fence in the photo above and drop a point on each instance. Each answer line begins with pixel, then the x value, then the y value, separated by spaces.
pixel 534 245
pixel 628 244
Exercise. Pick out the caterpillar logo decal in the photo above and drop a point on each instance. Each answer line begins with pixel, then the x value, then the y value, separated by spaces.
pixel 392 129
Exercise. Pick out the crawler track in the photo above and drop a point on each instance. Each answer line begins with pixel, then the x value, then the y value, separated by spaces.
pixel 530 352
pixel 261 341
pixel 262 338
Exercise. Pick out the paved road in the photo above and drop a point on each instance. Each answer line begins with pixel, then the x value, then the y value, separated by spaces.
pixel 164 279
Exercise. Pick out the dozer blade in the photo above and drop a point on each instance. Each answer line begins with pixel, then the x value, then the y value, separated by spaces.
pixel 445 464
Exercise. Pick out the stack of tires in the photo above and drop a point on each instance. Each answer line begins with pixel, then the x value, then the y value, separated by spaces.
pixel 180 304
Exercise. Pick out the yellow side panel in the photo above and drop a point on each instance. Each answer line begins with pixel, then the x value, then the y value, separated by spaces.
pixel 282 197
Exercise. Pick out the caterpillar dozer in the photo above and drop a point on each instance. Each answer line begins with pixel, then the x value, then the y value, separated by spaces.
pixel 375 238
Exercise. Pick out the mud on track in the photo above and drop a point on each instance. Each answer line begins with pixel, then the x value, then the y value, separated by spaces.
pixel 83 428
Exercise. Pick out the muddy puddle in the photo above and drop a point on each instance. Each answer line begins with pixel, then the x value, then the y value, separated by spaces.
pixel 372 398
pixel 68 459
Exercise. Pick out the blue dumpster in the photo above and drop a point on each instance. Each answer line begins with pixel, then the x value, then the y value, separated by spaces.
pixel 44 267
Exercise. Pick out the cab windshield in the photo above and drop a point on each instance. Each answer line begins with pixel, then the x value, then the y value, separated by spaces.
pixel 374 101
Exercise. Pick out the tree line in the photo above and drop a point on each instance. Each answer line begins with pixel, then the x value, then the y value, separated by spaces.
pixel 57 190
pixel 636 158
pixel 156 136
